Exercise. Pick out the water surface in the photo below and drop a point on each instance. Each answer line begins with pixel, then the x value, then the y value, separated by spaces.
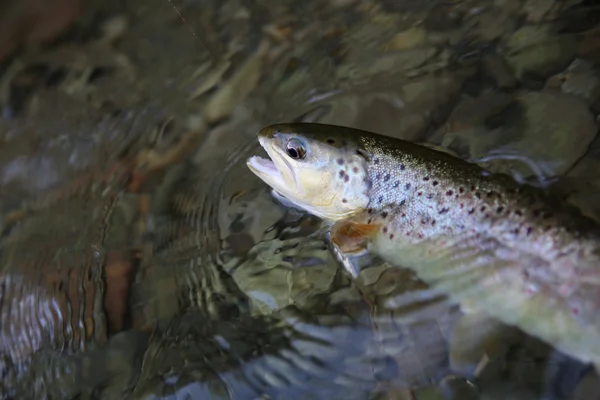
pixel 124 276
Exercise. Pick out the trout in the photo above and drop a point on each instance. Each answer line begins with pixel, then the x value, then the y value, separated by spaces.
pixel 492 245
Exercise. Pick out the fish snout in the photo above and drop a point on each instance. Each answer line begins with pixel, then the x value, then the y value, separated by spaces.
pixel 268 132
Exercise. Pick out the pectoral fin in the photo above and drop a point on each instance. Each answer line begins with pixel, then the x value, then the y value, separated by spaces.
pixel 348 261
pixel 349 240
pixel 352 237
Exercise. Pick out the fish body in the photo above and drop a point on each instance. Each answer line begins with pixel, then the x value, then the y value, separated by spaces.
pixel 495 246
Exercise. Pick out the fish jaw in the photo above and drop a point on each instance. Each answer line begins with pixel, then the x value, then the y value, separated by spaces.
pixel 269 170
pixel 281 178
pixel 328 182
pixel 266 170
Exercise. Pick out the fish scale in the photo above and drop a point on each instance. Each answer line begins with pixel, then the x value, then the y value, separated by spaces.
pixel 538 242
pixel 463 195
pixel 508 250
pixel 441 198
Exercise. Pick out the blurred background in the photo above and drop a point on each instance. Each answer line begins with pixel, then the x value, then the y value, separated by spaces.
pixel 140 259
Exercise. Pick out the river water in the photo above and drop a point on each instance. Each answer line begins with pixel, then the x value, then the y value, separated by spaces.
pixel 140 259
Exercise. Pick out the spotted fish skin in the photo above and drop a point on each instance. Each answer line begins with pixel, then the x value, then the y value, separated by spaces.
pixel 511 251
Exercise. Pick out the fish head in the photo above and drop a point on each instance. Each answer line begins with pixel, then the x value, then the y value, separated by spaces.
pixel 319 172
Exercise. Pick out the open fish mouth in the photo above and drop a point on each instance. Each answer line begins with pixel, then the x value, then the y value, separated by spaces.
pixel 260 165
pixel 266 169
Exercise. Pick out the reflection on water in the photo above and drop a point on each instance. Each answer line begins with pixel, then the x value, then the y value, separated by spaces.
pixel 131 270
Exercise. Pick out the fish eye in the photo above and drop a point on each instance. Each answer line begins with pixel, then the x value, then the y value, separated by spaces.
pixel 295 149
